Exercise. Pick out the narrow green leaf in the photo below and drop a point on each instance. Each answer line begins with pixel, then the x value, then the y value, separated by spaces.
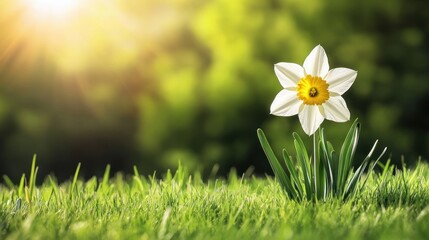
pixel 352 148
pixel 136 171
pixel 345 155
pixel 76 174
pixel 105 182
pixel 8 182
pixel 333 159
pixel 321 178
pixel 302 157
pixel 373 165
pixel 352 183
pixel 275 165
pixel 33 174
pixel 54 188
pixel 139 183
pixel 325 158
pixel 293 173
pixel 21 186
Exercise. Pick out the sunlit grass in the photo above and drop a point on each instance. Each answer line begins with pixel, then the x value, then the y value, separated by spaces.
pixel 182 206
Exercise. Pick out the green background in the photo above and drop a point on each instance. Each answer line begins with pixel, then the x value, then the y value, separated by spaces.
pixel 192 80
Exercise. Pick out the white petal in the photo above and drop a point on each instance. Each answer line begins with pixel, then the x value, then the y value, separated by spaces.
pixel 288 74
pixel 335 109
pixel 316 63
pixel 310 118
pixel 340 79
pixel 286 104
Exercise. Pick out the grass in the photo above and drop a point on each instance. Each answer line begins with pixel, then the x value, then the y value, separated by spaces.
pixel 394 205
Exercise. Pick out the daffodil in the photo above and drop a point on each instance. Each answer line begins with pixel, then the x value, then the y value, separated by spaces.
pixel 312 91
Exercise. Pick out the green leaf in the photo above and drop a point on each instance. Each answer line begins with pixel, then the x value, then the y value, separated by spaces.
pixel 375 163
pixel 293 173
pixel 55 189
pixel 21 186
pixel 275 165
pixel 302 156
pixel 33 174
pixel 326 160
pixel 73 186
pixel 352 183
pixel 320 175
pixel 326 174
pixel 333 161
pixel 8 182
pixel 346 153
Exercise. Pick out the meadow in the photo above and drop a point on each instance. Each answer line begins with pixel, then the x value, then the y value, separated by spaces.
pixel 145 83
pixel 181 205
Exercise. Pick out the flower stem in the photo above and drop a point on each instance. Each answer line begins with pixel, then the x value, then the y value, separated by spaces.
pixel 314 165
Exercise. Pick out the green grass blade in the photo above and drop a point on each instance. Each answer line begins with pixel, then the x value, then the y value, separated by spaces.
pixel 352 183
pixel 387 169
pixel 21 186
pixel 136 171
pixel 351 186
pixel 54 186
pixel 73 186
pixel 8 182
pixel 33 174
pixel 373 165
pixel 106 175
pixel 105 183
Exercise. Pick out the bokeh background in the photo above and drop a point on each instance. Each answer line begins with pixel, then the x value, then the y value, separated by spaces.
pixel 152 82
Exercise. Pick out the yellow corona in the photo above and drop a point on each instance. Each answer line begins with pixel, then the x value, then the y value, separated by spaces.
pixel 312 90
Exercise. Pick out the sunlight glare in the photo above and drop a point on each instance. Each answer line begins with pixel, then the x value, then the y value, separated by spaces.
pixel 52 8
pixel 76 36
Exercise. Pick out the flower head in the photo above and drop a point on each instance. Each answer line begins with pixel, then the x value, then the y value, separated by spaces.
pixel 312 91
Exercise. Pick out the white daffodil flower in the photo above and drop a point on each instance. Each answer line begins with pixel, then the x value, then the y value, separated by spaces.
pixel 312 91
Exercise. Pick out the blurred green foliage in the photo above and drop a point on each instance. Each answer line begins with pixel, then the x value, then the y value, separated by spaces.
pixel 194 80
